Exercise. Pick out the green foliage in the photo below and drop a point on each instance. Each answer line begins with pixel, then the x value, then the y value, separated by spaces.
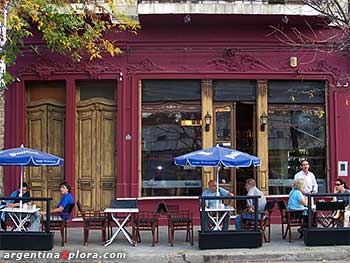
pixel 74 28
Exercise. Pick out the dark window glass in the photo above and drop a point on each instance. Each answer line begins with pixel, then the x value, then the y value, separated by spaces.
pixel 171 90
pixel 296 132
pixel 286 91
pixel 90 89
pixel 234 90
pixel 171 126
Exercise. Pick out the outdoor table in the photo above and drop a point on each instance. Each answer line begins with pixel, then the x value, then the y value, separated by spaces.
pixel 218 214
pixel 15 214
pixel 120 224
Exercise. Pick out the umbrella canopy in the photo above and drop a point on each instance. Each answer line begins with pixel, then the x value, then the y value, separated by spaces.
pixel 22 156
pixel 28 157
pixel 217 156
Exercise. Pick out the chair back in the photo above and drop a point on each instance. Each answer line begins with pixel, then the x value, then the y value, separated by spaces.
pixel 270 204
pixel 123 203
pixel 80 207
pixel 330 206
pixel 281 205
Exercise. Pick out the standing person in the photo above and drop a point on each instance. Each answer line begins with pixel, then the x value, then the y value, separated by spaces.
pixel 250 186
pixel 211 191
pixel 310 182
pixel 341 188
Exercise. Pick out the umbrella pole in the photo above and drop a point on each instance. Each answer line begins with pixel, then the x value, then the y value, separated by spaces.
pixel 21 187
pixel 217 184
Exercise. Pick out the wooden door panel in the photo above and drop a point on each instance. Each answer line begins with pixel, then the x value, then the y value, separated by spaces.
pixel 45 131
pixel 86 157
pixel 37 139
pixel 96 153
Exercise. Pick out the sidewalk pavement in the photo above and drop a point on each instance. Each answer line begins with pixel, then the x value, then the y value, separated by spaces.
pixel 277 250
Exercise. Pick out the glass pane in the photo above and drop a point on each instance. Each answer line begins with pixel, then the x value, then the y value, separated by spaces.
pixel 223 124
pixel 171 90
pixel 90 89
pixel 169 130
pixel 296 132
pixel 286 91
pixel 41 90
pixel 234 90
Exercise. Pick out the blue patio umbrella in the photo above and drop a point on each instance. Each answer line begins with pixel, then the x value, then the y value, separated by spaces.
pixel 22 156
pixel 215 157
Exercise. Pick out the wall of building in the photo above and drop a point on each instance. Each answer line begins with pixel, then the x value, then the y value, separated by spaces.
pixel 168 47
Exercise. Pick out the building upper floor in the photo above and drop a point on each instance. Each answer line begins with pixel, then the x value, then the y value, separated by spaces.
pixel 134 8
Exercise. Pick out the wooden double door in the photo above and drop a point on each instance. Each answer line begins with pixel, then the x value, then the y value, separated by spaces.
pixel 96 152
pixel 46 132
pixel 95 149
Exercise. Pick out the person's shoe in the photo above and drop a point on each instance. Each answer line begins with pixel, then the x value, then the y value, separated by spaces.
pixel 2 225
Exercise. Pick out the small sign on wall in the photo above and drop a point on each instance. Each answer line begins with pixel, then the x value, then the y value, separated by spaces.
pixel 342 168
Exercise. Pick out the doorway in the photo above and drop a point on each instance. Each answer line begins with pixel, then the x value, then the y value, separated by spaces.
pixel 234 128
pixel 96 143
pixel 45 127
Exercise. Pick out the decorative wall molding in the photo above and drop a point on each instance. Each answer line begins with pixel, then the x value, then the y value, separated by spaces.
pixel 240 63
pixel 146 65
pixel 46 68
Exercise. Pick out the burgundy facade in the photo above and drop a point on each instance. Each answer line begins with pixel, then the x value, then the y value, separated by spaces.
pixel 168 48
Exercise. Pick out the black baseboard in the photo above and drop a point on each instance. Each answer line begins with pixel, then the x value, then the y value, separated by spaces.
pixel 326 236
pixel 229 239
pixel 26 241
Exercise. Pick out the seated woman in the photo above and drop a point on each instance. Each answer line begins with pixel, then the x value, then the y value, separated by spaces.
pixel 297 200
pixel 342 188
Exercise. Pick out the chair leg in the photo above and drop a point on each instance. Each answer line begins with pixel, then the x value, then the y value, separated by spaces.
pixel 172 236
pixel 104 234
pixel 62 236
pixel 86 236
pixel 191 234
pixel 65 234
pixel 153 236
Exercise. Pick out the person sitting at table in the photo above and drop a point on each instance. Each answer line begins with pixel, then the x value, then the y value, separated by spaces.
pixel 341 188
pixel 298 201
pixel 211 192
pixel 61 208
pixel 14 203
pixel 250 186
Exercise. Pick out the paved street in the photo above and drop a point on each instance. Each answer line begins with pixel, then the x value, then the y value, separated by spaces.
pixel 278 250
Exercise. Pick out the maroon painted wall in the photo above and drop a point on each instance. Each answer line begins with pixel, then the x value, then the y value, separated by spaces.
pixel 166 47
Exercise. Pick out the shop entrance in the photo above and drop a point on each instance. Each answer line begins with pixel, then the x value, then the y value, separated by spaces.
pixel 234 128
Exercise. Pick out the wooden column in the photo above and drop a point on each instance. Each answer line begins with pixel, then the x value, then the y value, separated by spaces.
pixel 262 137
pixel 207 136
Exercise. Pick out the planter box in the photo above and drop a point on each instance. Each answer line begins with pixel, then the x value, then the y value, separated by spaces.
pixel 26 241
pixel 229 239
pixel 326 236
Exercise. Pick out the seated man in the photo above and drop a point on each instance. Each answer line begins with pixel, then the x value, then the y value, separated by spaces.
pixel 341 188
pixel 61 208
pixel 211 191
pixel 250 186
pixel 16 203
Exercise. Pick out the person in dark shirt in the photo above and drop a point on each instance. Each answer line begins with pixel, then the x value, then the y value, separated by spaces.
pixel 342 188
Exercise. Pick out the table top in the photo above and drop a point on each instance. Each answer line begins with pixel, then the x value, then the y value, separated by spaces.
pixel 121 210
pixel 29 210
pixel 220 209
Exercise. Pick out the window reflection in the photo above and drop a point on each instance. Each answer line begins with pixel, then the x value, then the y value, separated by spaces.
pixel 296 132
pixel 169 130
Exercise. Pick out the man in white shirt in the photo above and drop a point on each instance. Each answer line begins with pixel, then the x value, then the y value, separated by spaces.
pixel 309 178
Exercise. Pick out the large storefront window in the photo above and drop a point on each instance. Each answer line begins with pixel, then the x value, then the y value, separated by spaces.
pixel 297 131
pixel 171 126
